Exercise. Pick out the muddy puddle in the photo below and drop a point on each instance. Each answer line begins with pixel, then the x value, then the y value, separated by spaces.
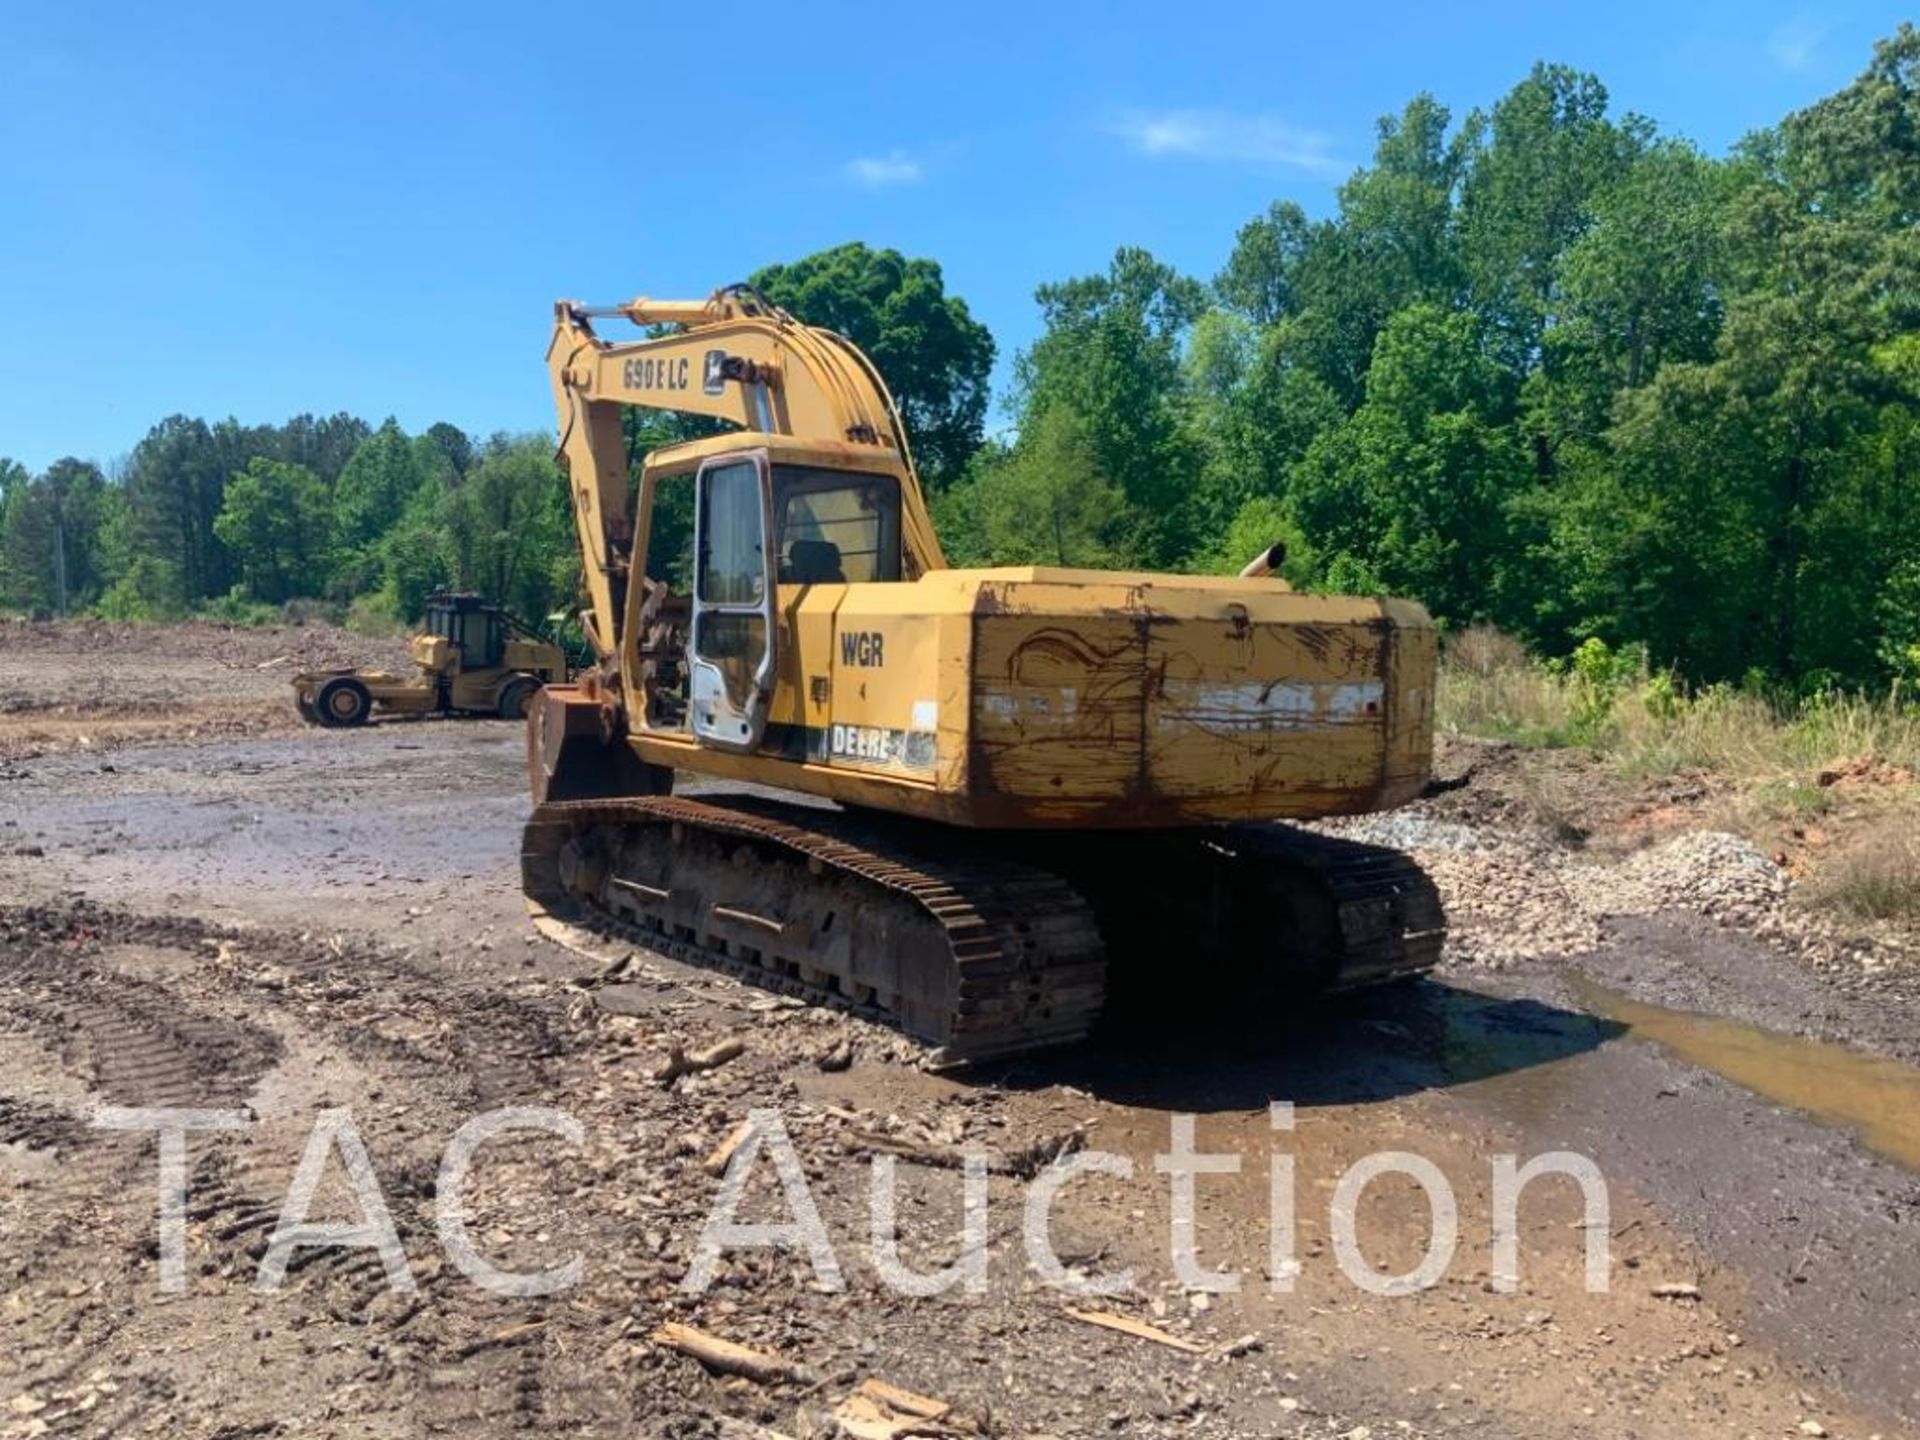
pixel 1875 1098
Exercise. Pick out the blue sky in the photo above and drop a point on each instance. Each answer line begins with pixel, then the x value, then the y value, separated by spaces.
pixel 261 209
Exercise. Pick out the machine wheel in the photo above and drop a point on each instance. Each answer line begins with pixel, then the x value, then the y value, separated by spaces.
pixel 307 712
pixel 516 696
pixel 343 703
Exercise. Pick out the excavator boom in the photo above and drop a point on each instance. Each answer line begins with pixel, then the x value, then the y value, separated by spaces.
pixel 731 358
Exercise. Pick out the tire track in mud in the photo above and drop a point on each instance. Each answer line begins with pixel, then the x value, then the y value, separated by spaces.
pixel 135 1041
pixel 34 1125
pixel 132 1043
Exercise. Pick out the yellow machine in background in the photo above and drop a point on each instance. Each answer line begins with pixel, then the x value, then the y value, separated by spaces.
pixel 474 659
pixel 1039 773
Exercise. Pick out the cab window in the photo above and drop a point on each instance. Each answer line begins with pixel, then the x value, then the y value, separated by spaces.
pixel 732 568
pixel 835 527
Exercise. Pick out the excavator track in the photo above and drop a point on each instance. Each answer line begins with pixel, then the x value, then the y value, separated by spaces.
pixel 981 945
pixel 1255 914
pixel 978 956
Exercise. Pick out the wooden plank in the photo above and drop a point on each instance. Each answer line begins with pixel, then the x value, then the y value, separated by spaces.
pixel 1139 1329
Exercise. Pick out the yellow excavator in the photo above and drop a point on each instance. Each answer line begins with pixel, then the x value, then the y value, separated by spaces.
pixel 960 800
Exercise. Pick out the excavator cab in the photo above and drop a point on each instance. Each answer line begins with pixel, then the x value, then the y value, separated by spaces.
pixel 767 532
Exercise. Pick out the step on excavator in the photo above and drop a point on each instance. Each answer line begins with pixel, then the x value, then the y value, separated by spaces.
pixel 967 802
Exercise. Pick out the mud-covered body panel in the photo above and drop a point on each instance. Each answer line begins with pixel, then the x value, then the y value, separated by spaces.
pixel 1051 698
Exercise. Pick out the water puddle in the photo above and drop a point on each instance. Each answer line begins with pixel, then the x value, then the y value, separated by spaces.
pixel 1876 1098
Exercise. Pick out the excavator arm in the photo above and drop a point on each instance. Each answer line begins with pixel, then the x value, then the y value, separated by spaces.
pixel 732 357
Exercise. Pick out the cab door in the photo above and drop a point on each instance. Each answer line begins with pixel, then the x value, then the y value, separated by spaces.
pixel 730 674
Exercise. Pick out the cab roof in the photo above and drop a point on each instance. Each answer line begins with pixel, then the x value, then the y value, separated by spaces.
pixel 782 449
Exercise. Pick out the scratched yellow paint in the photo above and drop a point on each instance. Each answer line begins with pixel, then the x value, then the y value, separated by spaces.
pixel 1055 698
pixel 1184 700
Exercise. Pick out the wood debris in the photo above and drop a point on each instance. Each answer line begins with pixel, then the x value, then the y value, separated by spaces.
pixel 879 1411
pixel 680 1062
pixel 1676 1292
pixel 1022 1164
pixel 727 1358
pixel 1139 1329
pixel 723 1153
pixel 500 1339
pixel 732 1429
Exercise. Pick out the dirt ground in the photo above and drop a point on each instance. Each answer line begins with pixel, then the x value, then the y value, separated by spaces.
pixel 205 905
pixel 96 684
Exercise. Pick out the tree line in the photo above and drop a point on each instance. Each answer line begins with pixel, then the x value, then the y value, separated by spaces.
pixel 1546 368
pixel 233 519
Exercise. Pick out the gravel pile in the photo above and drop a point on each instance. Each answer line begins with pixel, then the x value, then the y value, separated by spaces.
pixel 1706 871
pixel 1509 901
pixel 1514 897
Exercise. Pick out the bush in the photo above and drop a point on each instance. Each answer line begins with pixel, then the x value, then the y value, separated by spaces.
pixel 310 612
pixel 1601 675
pixel 1648 724
pixel 375 615
pixel 234 608
pixel 143 592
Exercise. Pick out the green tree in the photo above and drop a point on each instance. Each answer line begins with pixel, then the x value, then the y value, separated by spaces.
pixel 277 521
pixel 176 483
pixel 1646 282
pixel 1255 526
pixel 1256 409
pixel 378 484
pixel 14 478
pixel 1857 153
pixel 1111 356
pixel 1534 169
pixel 52 544
pixel 1393 245
pixel 507 526
pixel 935 356
pixel 410 560
pixel 1644 285
pixel 455 445
pixel 1413 492
pixel 1262 273
pixel 1044 501
pixel 321 444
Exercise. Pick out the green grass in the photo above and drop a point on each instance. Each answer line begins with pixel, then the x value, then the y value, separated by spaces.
pixel 1766 756
pixel 1648 727
pixel 1877 877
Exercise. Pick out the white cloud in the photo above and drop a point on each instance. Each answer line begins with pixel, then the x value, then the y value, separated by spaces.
pixel 1793 42
pixel 896 167
pixel 1224 135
